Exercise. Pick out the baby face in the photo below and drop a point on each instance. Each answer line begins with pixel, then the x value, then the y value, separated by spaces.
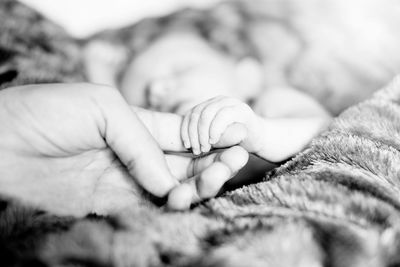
pixel 177 72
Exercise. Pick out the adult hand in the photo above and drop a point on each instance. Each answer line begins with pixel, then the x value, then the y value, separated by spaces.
pixel 60 142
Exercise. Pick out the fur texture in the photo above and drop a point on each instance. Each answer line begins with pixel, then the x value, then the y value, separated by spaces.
pixel 35 50
pixel 335 204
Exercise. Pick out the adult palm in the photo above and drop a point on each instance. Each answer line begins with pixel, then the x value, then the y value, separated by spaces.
pixel 74 148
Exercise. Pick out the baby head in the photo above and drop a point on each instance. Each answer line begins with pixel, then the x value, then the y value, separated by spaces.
pixel 181 69
pixel 184 66
pixel 174 62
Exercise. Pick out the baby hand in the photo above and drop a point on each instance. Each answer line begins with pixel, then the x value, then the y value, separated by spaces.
pixel 220 121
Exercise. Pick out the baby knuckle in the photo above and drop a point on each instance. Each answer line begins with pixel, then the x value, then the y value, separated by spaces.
pixel 206 116
pixel 197 109
pixel 194 115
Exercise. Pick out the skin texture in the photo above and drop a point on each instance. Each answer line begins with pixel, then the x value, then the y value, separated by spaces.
pixel 200 177
pixel 181 73
pixel 178 71
pixel 68 148
pixel 90 121
pixel 210 124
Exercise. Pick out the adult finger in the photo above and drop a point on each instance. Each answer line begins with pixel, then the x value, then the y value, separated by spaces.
pixel 210 180
pixel 164 127
pixel 185 166
pixel 127 136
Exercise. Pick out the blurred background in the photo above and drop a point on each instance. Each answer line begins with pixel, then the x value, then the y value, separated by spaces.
pixel 82 18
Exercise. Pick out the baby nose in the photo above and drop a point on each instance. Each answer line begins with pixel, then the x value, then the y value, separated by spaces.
pixel 158 91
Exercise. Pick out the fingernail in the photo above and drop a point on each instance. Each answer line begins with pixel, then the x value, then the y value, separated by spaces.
pixel 212 141
pixel 196 151
pixel 205 148
pixel 186 145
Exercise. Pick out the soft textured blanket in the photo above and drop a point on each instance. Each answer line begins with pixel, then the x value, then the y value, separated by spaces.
pixel 335 204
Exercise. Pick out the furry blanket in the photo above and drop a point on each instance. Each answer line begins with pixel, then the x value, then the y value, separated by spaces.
pixel 335 204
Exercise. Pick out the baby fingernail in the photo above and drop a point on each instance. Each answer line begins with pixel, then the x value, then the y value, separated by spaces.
pixel 186 144
pixel 205 148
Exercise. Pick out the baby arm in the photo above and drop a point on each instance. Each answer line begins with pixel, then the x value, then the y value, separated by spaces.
pixel 285 102
pixel 225 121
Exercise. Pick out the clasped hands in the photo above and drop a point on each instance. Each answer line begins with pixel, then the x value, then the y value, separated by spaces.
pixel 73 149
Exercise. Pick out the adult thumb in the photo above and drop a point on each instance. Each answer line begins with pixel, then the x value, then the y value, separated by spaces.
pixel 130 140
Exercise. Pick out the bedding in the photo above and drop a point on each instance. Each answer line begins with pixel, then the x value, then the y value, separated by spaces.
pixel 335 204
pixel 35 50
